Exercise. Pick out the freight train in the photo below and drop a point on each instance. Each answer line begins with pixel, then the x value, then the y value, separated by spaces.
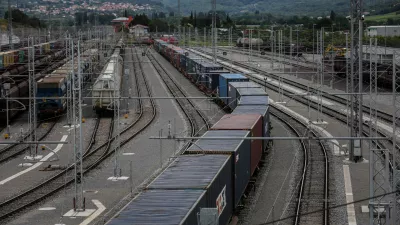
pixel 211 174
pixel 13 58
pixel 20 89
pixel 297 50
pixel 108 82
pixel 59 81
pixel 385 71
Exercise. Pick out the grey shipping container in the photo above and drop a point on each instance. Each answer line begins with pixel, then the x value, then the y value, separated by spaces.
pixel 233 91
pixel 254 100
pixel 240 150
pixel 263 110
pixel 207 172
pixel 167 207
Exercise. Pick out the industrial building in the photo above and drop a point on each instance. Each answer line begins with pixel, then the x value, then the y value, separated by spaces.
pixel 385 31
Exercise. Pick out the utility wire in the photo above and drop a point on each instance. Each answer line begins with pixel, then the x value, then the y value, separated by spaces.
pixel 333 207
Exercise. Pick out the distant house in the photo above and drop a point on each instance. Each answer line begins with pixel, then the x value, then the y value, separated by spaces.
pixel 139 30
pixel 121 21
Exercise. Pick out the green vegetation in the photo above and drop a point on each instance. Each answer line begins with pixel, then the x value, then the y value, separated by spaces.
pixel 384 17
pixel 23 19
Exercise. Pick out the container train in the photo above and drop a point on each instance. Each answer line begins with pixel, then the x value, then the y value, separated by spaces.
pixel 297 50
pixel 12 58
pixel 108 82
pixel 211 173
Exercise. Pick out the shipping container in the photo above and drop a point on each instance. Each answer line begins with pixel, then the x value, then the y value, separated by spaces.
pixel 21 56
pixel 212 80
pixel 254 100
pixel 187 63
pixel 262 110
pixel 2 61
pixel 169 207
pixel 233 91
pixel 212 173
pixel 224 80
pixel 240 151
pixel 252 123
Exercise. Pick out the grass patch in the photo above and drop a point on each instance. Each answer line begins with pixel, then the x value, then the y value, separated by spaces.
pixel 383 18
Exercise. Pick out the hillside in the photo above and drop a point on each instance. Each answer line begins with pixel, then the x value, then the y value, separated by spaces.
pixel 285 7
pixel 276 7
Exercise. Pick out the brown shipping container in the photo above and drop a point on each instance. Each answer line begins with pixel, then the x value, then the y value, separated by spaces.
pixel 250 122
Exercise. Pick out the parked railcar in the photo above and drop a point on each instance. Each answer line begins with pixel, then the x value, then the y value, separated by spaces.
pixel 252 123
pixel 47 88
pixel 212 173
pixel 239 150
pixel 108 82
pixel 262 110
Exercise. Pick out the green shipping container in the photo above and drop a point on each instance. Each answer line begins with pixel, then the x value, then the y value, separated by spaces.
pixel 1 62
pixel 21 56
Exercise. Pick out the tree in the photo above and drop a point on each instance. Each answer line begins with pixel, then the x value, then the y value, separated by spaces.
pixel 140 19
pixel 333 15
pixel 257 12
pixel 195 19
pixel 171 14
pixel 159 25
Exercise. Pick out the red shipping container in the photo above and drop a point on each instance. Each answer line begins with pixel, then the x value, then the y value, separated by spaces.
pixel 250 122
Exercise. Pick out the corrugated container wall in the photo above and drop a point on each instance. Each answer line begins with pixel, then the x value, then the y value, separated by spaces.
pixel 252 123
pixel 254 100
pixel 212 80
pixel 167 207
pixel 224 80
pixel 232 91
pixel 212 173
pixel 262 110
pixel 240 150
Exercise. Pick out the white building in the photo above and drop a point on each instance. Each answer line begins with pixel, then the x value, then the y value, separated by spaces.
pixel 139 30
pixel 4 39
pixel 385 31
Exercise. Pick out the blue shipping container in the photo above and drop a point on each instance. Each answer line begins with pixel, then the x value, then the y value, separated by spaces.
pixel 169 207
pixel 224 80
pixel 262 110
pixel 205 172
pixel 240 150
pixel 233 91
pixel 254 100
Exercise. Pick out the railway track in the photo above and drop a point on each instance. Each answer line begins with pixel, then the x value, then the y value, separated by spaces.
pixel 42 131
pixel 330 111
pixel 286 59
pixel 91 158
pixel 386 117
pixel 313 188
pixel 199 123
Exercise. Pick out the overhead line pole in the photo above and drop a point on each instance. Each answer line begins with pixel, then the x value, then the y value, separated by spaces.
pixel 356 79
pixel 10 26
